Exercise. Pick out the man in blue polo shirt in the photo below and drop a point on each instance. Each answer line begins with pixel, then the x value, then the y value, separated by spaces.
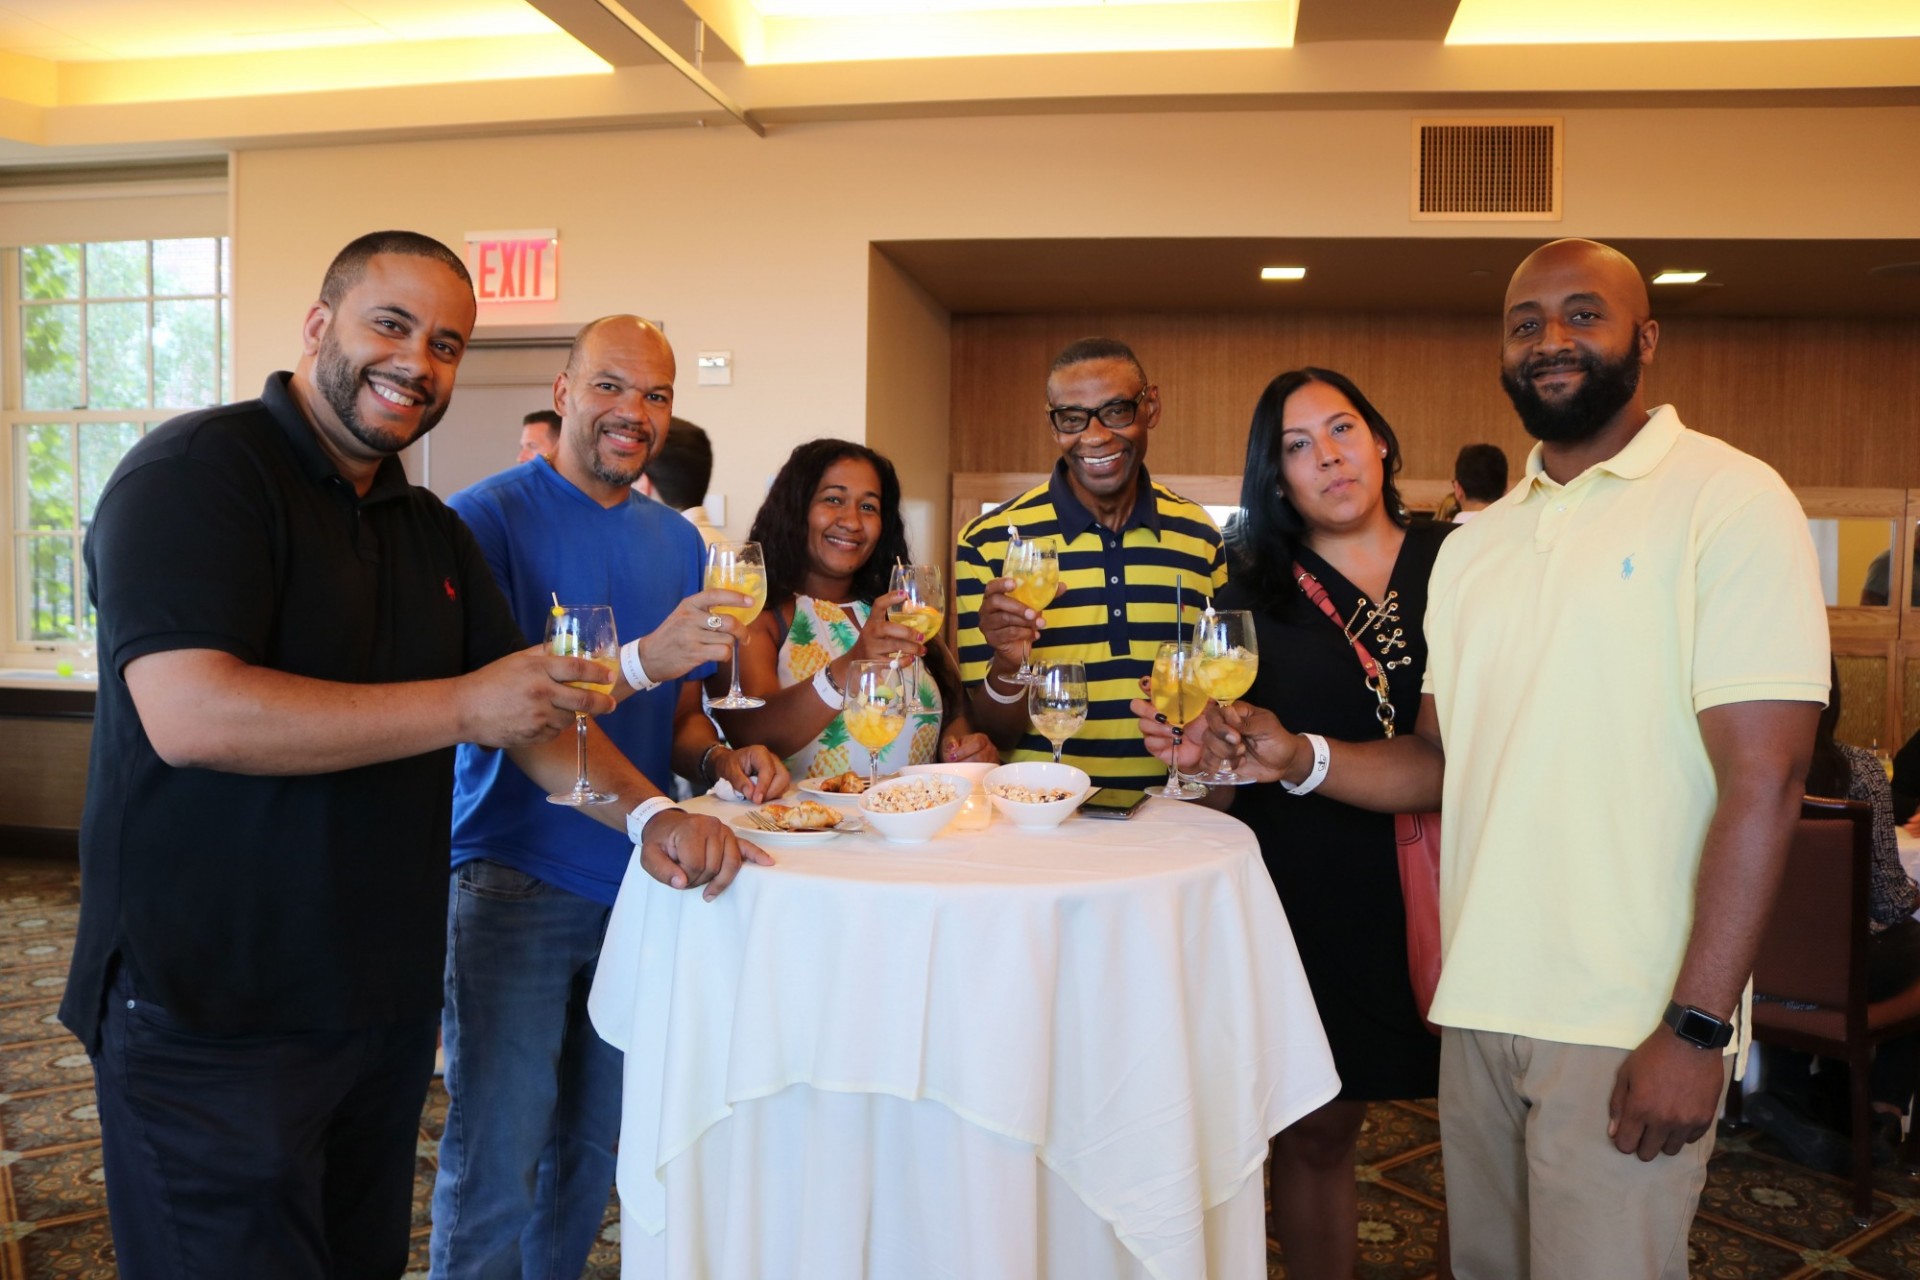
pixel 526 1161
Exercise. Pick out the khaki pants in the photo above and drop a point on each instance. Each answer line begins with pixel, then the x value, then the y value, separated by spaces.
pixel 1535 1187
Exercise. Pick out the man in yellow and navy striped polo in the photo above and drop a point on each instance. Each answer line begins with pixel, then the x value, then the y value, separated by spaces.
pixel 1123 541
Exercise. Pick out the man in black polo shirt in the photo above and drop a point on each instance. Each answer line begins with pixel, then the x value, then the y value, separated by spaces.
pixel 293 638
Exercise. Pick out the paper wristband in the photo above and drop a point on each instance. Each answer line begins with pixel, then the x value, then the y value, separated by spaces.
pixel 1318 774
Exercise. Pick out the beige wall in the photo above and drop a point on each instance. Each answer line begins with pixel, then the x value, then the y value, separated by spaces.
pixel 909 372
pixel 762 246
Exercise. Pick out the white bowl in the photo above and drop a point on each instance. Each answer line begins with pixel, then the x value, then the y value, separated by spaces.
pixel 974 772
pixel 1039 775
pixel 921 825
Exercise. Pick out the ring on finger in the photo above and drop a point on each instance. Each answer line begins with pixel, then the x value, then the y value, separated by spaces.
pixel 713 622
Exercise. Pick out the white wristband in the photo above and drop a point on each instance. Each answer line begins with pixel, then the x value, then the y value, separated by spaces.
pixel 645 812
pixel 630 667
pixel 1318 774
pixel 823 685
pixel 1008 699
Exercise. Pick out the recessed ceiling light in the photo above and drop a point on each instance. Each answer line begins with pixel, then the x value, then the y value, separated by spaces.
pixel 1283 273
pixel 1680 277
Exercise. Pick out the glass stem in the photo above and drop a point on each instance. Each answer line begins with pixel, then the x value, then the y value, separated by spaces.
pixel 733 691
pixel 1057 748
pixel 1174 782
pixel 580 753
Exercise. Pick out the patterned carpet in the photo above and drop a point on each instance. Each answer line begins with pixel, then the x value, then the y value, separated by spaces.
pixel 1761 1216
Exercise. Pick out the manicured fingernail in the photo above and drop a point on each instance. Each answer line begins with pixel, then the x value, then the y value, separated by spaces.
pixel 1160 718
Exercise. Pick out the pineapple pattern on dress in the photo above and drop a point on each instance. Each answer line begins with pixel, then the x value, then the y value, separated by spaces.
pixel 822 631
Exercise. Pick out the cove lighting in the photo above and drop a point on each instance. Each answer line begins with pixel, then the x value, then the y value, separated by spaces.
pixel 1680 277
pixel 1283 273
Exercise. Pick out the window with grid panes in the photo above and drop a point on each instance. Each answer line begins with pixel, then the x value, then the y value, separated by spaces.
pixel 111 339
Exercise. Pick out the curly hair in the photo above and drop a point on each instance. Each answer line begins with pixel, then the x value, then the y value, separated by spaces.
pixel 780 526
pixel 1261 540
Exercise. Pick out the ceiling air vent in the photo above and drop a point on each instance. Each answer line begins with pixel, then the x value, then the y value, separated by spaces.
pixel 1483 170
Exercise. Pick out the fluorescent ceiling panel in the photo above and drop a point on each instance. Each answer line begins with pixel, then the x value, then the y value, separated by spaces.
pixel 95 30
pixel 794 31
pixel 1663 21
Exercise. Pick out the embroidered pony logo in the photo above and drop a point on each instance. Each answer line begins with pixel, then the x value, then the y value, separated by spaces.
pixel 1626 567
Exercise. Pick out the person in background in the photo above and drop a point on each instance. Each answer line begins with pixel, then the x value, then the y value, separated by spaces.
pixel 533 1094
pixel 1318 495
pixel 1876 588
pixel 1479 478
pixel 1807 1113
pixel 678 474
pixel 831 532
pixel 1626 661
pixel 1906 781
pixel 293 639
pixel 539 435
pixel 1126 546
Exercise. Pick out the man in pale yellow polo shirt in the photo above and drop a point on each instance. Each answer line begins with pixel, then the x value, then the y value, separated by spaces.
pixel 1628 656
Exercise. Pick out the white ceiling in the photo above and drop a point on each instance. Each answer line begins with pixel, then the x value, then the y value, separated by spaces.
pixel 99 30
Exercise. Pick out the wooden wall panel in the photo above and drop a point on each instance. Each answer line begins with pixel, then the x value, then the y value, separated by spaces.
pixel 1826 402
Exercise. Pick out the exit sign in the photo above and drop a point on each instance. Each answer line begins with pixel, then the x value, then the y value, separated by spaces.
pixel 514 266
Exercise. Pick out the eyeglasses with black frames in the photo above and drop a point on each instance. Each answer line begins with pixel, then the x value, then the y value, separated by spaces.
pixel 1071 419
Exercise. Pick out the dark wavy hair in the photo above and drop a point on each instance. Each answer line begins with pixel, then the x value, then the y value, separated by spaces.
pixel 1263 538
pixel 780 526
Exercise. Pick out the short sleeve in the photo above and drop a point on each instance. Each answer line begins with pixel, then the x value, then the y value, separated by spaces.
pixel 180 556
pixel 971 574
pixel 1760 619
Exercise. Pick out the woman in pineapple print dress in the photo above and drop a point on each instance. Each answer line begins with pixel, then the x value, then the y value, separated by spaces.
pixel 830 530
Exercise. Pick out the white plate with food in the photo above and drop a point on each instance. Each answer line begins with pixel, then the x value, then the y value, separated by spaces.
pixel 805 822
pixel 841 789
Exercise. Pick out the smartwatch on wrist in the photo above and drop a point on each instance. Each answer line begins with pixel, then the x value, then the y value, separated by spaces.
pixel 1697 1026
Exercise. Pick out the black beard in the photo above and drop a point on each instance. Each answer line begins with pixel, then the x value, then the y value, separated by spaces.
pixel 339 382
pixel 1604 390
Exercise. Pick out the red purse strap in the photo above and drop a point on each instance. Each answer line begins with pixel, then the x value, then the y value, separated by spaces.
pixel 1375 678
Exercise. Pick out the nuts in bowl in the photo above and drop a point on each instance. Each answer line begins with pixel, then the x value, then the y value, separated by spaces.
pixel 1037 794
pixel 916 808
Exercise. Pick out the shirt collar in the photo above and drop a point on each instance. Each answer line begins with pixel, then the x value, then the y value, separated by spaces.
pixel 1641 455
pixel 389 480
pixel 1073 517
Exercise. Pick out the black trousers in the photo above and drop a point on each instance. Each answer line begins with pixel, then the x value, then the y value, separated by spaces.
pixel 283 1156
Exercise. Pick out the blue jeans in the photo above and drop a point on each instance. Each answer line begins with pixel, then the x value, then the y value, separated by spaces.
pixel 533 1093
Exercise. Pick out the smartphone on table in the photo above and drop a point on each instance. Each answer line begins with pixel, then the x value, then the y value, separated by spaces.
pixel 1112 802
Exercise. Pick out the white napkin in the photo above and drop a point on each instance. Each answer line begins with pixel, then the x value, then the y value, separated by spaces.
pixel 723 790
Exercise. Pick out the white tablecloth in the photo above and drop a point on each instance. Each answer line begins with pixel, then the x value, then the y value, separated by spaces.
pixel 1116 1006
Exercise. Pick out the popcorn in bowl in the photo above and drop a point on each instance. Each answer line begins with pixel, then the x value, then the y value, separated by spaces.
pixel 910 795
pixel 1031 795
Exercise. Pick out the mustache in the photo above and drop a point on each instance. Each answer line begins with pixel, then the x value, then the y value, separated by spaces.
pixel 1555 364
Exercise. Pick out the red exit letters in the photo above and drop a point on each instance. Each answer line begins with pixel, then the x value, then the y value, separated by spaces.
pixel 515 266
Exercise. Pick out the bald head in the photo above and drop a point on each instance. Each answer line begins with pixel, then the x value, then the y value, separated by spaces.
pixel 620 329
pixel 1575 337
pixel 615 400
pixel 1565 267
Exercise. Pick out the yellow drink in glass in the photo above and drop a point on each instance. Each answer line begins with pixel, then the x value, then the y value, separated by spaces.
pixel 875 727
pixel 927 621
pixel 748 582
pixel 1227 676
pixel 1033 586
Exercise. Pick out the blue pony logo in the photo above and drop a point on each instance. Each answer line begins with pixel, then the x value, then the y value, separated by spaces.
pixel 1626 567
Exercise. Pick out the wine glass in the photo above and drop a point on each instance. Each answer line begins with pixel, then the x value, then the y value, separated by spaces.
pixel 583 631
pixel 1057 702
pixel 876 708
pixel 737 566
pixel 923 609
pixel 84 642
pixel 1228 659
pixel 1034 566
pixel 1177 695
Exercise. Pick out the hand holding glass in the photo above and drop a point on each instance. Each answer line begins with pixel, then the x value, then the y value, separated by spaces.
pixel 583 632
pixel 737 566
pixel 876 708
pixel 1177 695
pixel 1034 566
pixel 1227 659
pixel 1057 702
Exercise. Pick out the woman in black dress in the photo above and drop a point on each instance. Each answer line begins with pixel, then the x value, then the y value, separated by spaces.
pixel 1318 491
